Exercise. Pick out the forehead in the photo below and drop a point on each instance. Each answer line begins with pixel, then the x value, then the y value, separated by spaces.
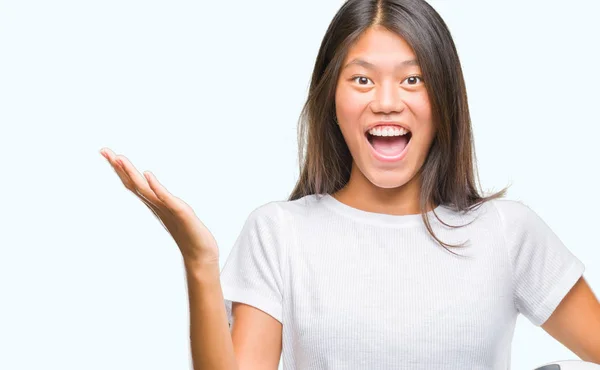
pixel 380 47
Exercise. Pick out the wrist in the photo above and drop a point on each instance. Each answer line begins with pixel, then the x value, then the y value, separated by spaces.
pixel 204 269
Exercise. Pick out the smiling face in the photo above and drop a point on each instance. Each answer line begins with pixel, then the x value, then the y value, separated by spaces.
pixel 381 81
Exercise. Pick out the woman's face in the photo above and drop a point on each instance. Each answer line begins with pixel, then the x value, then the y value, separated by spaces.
pixel 378 83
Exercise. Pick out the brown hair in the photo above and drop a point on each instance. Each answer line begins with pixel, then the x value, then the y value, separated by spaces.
pixel 449 170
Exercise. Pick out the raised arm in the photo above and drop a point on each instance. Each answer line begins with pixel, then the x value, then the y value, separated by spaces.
pixel 254 341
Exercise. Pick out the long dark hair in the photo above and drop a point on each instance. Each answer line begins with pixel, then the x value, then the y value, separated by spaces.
pixel 449 171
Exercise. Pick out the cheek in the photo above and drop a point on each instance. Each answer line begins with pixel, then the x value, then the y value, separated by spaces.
pixel 421 109
pixel 349 105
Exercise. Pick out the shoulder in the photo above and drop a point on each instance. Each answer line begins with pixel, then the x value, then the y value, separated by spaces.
pixel 511 211
pixel 285 210
pixel 521 225
pixel 288 218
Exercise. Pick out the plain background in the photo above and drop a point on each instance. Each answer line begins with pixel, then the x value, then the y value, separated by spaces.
pixel 206 95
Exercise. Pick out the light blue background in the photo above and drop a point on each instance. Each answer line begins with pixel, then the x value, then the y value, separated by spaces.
pixel 206 95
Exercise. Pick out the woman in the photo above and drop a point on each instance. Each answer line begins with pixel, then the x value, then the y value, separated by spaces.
pixel 385 255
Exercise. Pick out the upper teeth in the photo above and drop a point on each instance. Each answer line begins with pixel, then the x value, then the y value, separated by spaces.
pixel 388 131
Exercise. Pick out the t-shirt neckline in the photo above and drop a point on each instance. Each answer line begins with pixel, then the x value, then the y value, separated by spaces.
pixel 377 218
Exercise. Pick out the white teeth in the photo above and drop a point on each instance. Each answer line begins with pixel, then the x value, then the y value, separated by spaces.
pixel 388 131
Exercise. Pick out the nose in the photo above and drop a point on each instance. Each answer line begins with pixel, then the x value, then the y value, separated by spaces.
pixel 388 99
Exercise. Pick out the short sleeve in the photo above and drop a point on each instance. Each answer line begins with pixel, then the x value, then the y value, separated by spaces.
pixel 544 270
pixel 251 273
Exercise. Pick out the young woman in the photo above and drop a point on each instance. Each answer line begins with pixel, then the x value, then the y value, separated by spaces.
pixel 385 256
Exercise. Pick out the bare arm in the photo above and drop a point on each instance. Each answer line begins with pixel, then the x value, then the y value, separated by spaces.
pixel 255 335
pixel 576 322
pixel 256 338
pixel 211 344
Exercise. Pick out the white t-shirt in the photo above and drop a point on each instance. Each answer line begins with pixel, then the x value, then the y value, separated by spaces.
pixel 362 290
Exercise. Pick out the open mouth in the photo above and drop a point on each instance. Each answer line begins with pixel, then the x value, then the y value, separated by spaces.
pixel 389 146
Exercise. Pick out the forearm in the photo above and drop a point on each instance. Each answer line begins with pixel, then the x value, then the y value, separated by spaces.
pixel 210 337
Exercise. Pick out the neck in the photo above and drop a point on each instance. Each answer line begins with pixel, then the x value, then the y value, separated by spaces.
pixel 362 194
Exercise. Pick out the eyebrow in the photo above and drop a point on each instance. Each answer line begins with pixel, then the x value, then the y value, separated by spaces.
pixel 364 63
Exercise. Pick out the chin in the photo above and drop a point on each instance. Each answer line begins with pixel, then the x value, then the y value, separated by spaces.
pixel 389 179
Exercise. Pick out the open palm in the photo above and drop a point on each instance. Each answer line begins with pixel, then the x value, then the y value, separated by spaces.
pixel 194 240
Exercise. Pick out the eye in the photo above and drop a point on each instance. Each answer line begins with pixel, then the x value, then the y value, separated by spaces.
pixel 413 79
pixel 361 79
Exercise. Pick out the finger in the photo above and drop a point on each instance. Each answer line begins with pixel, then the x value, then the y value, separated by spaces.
pixel 172 202
pixel 155 204
pixel 158 214
pixel 167 222
pixel 140 184
pixel 120 172
pixel 111 157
